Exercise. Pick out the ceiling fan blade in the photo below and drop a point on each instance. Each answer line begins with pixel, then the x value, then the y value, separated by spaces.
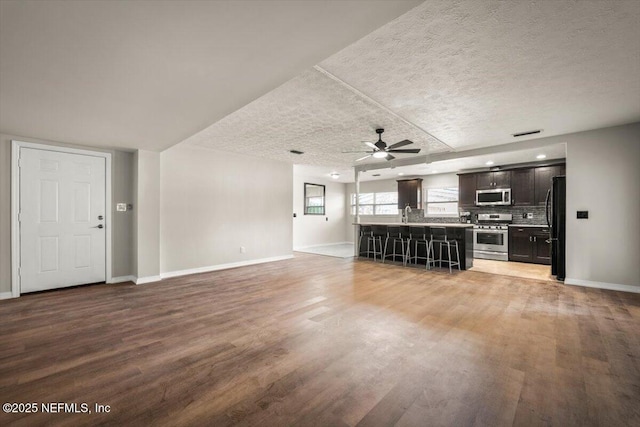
pixel 362 158
pixel 409 150
pixel 372 145
pixel 400 144
pixel 389 157
pixel 361 151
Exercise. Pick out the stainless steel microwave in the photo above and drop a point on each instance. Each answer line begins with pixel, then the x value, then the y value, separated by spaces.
pixel 493 197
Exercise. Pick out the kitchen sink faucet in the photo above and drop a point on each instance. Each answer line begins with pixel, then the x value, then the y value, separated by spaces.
pixel 405 215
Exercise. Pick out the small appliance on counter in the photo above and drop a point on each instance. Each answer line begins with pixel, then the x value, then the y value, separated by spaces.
pixel 465 217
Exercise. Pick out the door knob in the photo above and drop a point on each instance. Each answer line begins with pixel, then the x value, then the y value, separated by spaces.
pixel 98 226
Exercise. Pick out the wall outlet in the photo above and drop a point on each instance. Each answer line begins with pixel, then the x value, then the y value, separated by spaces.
pixel 243 250
pixel 529 215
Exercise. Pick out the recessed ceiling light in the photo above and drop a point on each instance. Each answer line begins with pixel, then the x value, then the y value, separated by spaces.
pixel 335 175
pixel 380 154
pixel 489 163
pixel 541 156
pixel 400 173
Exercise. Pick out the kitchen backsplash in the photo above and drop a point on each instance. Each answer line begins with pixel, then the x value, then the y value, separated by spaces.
pixel 417 215
pixel 516 211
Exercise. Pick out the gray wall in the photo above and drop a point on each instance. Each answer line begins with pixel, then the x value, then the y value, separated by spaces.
pixel 122 225
pixel 5 213
pixel 123 192
pixel 603 177
pixel 147 215
pixel 213 202
pixel 312 230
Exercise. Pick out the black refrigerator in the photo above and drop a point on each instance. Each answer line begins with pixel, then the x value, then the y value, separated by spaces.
pixel 556 212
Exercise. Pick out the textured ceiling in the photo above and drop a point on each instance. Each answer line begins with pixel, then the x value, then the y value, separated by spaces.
pixel 469 73
pixel 474 72
pixel 315 114
pixel 148 74
pixel 454 74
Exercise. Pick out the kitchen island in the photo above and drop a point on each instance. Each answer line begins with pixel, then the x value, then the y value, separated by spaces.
pixel 463 233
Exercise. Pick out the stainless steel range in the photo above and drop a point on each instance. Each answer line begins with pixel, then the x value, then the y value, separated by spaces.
pixel 491 236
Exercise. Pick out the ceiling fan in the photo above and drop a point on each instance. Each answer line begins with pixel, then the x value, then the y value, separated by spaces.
pixel 380 150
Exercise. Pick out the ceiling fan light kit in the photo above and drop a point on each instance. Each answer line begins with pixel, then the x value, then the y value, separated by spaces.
pixel 380 150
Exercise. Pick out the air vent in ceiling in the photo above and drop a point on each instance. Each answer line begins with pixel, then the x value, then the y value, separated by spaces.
pixel 376 174
pixel 296 152
pixel 530 132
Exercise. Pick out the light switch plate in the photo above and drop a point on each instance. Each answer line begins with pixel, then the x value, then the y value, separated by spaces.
pixel 121 207
pixel 582 214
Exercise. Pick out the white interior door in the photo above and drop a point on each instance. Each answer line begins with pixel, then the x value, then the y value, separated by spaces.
pixel 62 219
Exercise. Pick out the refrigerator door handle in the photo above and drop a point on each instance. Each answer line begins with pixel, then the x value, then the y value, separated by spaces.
pixel 546 207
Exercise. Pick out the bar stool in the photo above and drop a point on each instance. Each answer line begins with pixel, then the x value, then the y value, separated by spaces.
pixel 378 232
pixel 365 232
pixel 406 235
pixel 420 236
pixel 395 235
pixel 440 236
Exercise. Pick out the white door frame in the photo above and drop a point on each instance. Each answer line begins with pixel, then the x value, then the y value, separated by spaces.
pixel 15 205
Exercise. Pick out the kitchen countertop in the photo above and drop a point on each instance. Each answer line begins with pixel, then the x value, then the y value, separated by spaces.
pixel 529 225
pixel 420 224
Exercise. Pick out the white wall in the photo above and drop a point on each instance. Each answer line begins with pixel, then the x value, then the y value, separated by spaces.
pixel 603 177
pixel 212 203
pixel 313 230
pixel 441 180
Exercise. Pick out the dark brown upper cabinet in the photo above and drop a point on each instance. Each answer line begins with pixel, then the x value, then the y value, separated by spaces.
pixel 489 180
pixel 522 187
pixel 543 177
pixel 467 190
pixel 410 193
pixel 529 186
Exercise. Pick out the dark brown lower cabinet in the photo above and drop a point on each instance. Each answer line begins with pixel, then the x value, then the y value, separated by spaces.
pixel 529 244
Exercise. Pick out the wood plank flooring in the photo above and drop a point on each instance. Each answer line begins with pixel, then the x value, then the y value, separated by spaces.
pixel 512 268
pixel 326 341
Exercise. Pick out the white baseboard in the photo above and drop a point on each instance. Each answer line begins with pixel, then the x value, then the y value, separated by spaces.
pixel 602 285
pixel 121 279
pixel 148 279
pixel 223 266
pixel 297 248
pixel 6 295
